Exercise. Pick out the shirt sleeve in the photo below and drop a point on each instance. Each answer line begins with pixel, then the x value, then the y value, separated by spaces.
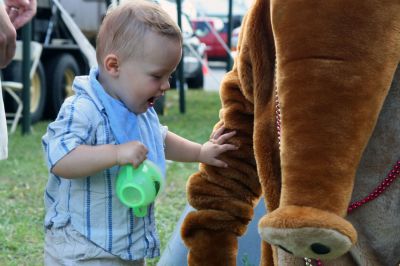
pixel 164 131
pixel 71 129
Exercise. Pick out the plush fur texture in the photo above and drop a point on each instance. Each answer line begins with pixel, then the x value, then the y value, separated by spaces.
pixel 331 64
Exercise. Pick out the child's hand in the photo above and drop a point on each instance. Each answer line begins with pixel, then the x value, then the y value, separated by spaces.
pixel 133 152
pixel 215 146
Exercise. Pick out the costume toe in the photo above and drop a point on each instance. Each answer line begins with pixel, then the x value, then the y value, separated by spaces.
pixel 307 232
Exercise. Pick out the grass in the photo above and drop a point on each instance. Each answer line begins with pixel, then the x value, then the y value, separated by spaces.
pixel 24 175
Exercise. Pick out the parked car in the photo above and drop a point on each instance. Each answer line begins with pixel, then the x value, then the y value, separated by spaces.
pixel 207 29
pixel 213 31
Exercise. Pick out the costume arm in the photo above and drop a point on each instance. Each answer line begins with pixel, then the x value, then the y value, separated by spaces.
pixel 224 198
pixel 335 62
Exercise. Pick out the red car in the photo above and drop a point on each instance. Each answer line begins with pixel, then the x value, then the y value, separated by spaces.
pixel 213 32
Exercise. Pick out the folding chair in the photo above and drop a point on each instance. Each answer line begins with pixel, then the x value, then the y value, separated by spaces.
pixel 14 89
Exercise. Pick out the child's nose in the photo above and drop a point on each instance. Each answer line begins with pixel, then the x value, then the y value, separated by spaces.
pixel 165 86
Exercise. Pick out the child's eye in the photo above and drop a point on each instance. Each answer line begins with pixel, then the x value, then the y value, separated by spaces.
pixel 156 76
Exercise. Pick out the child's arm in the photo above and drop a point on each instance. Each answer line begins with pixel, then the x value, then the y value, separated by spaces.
pixel 86 160
pixel 182 150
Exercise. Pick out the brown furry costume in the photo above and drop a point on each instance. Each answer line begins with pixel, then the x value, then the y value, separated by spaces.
pixel 331 64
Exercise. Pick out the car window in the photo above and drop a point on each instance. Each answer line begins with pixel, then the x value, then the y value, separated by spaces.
pixel 201 28
pixel 200 25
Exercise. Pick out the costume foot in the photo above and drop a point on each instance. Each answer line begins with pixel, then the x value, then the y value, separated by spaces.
pixel 308 232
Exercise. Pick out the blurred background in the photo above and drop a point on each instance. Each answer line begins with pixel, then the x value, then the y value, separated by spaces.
pixel 67 29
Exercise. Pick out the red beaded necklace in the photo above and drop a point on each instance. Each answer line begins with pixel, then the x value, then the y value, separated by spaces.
pixel 390 178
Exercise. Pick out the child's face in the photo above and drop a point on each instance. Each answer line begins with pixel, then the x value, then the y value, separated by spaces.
pixel 145 77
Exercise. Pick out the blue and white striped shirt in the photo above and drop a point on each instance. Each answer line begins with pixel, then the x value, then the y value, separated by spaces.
pixel 90 204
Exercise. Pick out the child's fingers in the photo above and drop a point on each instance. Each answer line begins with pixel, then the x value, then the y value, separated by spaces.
pixel 223 138
pixel 228 135
pixel 138 160
pixel 136 163
pixel 217 133
pixel 219 163
pixel 228 147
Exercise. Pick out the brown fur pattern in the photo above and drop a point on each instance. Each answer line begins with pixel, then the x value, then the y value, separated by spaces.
pixel 331 63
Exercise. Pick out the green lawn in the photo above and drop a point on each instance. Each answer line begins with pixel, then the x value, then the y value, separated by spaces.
pixel 23 177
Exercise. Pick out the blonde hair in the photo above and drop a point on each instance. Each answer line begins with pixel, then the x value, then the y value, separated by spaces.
pixel 124 27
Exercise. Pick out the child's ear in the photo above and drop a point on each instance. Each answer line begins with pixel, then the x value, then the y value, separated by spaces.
pixel 111 64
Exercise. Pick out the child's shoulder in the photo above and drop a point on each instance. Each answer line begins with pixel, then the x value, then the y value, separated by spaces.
pixel 81 101
pixel 81 105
